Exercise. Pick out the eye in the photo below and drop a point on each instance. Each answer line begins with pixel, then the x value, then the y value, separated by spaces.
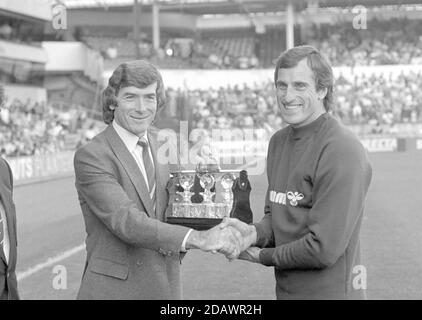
pixel 300 86
pixel 281 86
pixel 129 97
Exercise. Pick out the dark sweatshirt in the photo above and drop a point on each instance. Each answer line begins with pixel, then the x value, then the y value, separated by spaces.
pixel 318 178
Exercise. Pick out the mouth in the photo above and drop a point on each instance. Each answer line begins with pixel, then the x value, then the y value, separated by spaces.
pixel 139 117
pixel 293 106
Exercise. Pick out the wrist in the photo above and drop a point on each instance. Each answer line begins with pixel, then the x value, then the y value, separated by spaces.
pixel 253 235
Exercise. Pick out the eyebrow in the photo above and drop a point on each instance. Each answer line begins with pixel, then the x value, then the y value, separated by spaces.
pixel 279 82
pixel 295 83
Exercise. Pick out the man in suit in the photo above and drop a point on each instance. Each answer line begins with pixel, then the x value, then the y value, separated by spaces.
pixel 8 238
pixel 131 252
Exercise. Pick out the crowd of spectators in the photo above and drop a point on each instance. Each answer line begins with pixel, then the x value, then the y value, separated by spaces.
pixel 31 128
pixel 375 100
pixel 383 42
pixel 234 107
pixel 380 99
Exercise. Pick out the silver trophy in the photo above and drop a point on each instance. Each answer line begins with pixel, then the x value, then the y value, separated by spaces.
pixel 227 182
pixel 207 181
pixel 202 203
pixel 186 181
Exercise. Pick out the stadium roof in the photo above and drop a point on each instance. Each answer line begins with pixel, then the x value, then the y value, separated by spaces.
pixel 200 7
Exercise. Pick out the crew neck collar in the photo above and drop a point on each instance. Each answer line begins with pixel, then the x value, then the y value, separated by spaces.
pixel 308 129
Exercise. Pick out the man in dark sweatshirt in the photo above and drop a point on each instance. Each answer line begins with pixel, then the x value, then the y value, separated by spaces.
pixel 318 177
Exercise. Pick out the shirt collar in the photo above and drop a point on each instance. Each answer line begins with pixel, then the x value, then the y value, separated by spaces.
pixel 129 139
pixel 308 129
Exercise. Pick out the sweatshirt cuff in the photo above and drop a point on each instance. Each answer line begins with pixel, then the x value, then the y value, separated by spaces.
pixel 260 234
pixel 266 256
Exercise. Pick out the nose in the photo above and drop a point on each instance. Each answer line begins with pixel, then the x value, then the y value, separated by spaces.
pixel 289 95
pixel 140 103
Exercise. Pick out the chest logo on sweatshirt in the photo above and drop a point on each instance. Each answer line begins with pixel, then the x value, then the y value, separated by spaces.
pixel 294 197
pixel 281 198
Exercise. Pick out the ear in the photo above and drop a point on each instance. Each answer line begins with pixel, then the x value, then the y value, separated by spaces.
pixel 322 93
pixel 113 105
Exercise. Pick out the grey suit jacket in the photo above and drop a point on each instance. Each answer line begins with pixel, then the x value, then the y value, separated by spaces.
pixel 8 282
pixel 131 252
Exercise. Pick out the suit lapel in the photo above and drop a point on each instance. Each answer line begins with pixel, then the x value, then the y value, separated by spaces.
pixel 131 167
pixel 161 176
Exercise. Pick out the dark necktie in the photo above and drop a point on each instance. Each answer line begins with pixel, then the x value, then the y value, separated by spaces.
pixel 149 168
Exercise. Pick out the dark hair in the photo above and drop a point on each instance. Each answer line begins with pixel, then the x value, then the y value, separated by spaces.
pixel 319 65
pixel 137 73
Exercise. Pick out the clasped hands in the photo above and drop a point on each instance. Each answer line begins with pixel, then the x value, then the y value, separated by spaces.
pixel 231 237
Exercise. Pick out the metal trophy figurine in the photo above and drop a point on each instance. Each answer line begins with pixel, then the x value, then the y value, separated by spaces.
pixel 241 191
pixel 227 183
pixel 186 182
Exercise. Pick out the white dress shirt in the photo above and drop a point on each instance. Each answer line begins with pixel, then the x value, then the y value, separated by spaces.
pixel 6 240
pixel 131 142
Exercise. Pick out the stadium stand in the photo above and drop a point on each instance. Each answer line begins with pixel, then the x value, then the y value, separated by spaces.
pixel 394 41
pixel 377 102
pixel 28 128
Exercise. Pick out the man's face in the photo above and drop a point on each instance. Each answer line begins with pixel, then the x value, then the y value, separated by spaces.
pixel 297 97
pixel 136 108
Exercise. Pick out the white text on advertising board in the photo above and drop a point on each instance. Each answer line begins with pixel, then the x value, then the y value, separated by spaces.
pixel 380 144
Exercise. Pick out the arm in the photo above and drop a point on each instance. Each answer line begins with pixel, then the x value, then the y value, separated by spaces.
pixel 10 176
pixel 99 189
pixel 340 186
pixel 265 234
pixel 8 181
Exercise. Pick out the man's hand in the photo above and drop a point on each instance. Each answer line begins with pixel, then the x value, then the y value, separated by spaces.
pixel 247 232
pixel 227 241
pixel 251 254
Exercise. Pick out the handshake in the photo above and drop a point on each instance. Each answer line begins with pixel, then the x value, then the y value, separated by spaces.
pixel 231 237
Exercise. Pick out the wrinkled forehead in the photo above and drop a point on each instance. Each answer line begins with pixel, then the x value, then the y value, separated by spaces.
pixel 150 89
pixel 301 72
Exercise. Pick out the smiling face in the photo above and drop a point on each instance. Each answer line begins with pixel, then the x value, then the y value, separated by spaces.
pixel 136 108
pixel 299 101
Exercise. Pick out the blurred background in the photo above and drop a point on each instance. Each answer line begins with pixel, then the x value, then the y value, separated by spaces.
pixel 217 61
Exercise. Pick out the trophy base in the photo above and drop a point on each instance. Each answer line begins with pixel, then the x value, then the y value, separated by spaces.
pixel 195 223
